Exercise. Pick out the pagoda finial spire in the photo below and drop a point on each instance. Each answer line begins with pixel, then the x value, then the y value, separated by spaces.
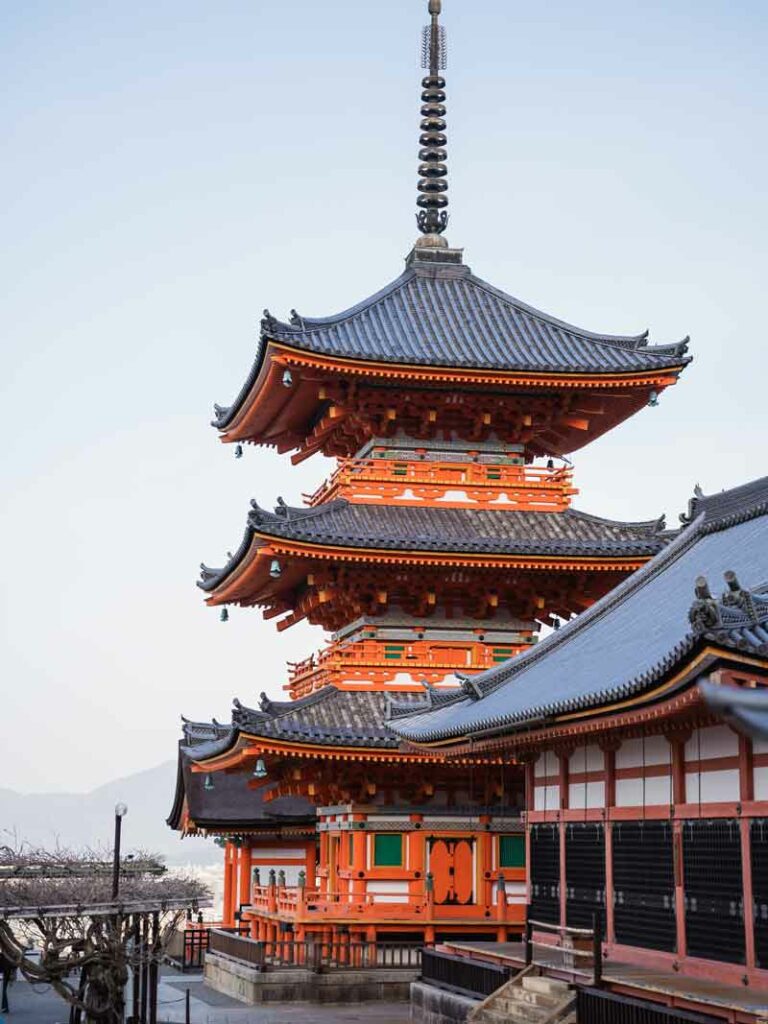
pixel 432 217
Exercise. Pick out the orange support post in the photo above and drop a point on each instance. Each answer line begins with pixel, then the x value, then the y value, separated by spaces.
pixel 501 909
pixel 244 872
pixel 228 909
pixel 358 860
pixel 311 864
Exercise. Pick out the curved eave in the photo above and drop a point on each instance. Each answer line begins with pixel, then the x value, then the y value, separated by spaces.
pixel 249 747
pixel 267 412
pixel 673 690
pixel 246 580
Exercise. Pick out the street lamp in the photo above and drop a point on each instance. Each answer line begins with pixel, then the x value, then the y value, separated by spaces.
pixel 120 812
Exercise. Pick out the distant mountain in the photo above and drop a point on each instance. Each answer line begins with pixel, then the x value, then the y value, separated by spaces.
pixel 87 819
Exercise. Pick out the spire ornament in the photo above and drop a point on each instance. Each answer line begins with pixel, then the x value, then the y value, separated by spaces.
pixel 432 217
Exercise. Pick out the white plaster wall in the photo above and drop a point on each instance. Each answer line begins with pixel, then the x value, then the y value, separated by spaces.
pixel 546 798
pixel 712 787
pixel 516 892
pixel 761 783
pixel 387 892
pixel 546 765
pixel 259 854
pixel 760 746
pixel 714 741
pixel 582 795
pixel 595 760
pixel 632 793
pixel 632 755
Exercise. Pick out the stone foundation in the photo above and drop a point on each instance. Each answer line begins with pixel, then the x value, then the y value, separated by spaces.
pixel 240 981
pixel 432 1005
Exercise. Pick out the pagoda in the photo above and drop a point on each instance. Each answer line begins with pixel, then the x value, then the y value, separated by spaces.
pixel 445 537
pixel 438 548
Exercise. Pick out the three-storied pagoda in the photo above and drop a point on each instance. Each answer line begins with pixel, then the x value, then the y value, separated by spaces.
pixel 442 542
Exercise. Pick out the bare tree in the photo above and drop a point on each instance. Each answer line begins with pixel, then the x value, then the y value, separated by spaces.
pixel 61 903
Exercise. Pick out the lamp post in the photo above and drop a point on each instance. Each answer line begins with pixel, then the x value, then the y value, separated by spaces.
pixel 120 812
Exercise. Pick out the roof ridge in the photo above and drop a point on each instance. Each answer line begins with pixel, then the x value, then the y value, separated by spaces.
pixel 306 324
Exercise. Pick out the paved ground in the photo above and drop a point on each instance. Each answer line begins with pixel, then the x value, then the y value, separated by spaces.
pixel 42 1006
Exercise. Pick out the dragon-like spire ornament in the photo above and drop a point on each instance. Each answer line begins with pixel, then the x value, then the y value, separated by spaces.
pixel 432 217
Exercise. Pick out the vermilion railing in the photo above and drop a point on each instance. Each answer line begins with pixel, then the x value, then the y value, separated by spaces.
pixel 525 487
pixel 305 905
pixel 383 658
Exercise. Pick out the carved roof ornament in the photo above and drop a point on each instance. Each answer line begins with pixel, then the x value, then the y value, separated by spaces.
pixel 739 618
pixel 704 613
pixel 432 217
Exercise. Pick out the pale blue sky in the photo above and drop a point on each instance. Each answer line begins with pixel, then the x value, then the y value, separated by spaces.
pixel 171 168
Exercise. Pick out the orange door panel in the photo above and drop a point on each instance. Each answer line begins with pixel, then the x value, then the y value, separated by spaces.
pixel 463 863
pixel 440 866
pixel 451 863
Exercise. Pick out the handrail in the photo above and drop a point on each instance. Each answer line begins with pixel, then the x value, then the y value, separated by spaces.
pixel 472 475
pixel 595 935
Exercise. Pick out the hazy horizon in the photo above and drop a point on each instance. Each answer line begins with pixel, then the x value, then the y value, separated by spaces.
pixel 170 170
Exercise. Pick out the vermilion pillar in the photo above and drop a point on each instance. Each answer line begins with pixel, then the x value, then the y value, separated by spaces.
pixel 244 875
pixel 311 864
pixel 358 858
pixel 228 909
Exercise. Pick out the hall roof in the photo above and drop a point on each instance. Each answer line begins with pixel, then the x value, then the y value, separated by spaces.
pixel 439 314
pixel 627 641
pixel 450 530
pixel 230 805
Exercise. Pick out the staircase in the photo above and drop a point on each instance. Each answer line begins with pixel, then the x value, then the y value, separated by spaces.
pixel 528 998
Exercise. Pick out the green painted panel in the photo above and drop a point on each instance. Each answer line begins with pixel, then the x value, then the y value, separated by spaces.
pixel 388 850
pixel 512 851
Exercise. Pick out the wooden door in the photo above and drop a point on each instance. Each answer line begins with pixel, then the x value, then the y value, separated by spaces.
pixel 451 864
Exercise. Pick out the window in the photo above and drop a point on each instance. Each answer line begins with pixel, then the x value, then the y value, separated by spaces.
pixel 388 851
pixel 511 851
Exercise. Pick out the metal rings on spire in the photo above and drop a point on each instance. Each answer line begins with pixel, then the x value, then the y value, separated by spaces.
pixel 432 217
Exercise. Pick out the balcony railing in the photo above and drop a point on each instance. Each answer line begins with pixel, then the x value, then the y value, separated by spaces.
pixel 298 904
pixel 317 954
pixel 525 487
pixel 379 659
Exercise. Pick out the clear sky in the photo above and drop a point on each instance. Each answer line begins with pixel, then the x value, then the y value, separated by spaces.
pixel 172 168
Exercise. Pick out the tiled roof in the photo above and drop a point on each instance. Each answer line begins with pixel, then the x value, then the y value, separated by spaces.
pixel 471 531
pixel 443 315
pixel 626 641
pixel 328 717
pixel 230 805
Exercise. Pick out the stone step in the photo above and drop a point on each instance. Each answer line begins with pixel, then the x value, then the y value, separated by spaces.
pixel 523 995
pixel 546 986
pixel 510 1010
pixel 517 1002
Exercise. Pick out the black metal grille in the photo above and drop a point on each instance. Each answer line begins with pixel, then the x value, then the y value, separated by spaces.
pixel 758 835
pixel 644 884
pixel 596 1006
pixel 460 974
pixel 545 873
pixel 714 908
pixel 584 872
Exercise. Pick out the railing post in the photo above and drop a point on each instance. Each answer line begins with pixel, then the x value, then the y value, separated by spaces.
pixel 272 892
pixel 501 908
pixel 597 947
pixel 528 937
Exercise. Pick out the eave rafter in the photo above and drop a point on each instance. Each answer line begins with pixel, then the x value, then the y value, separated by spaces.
pixel 330 586
pixel 313 403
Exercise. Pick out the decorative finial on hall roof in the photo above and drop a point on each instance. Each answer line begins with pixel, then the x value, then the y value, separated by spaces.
pixel 432 217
